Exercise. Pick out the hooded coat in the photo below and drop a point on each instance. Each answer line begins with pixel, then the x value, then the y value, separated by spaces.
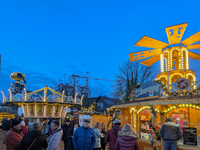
pixel 111 137
pixel 13 139
pixel 98 138
pixel 127 141
pixel 39 144
pixel 55 139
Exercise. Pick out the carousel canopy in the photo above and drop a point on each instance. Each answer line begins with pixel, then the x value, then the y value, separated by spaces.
pixel 42 95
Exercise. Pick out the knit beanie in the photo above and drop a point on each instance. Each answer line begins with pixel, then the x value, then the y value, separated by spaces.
pixel 15 122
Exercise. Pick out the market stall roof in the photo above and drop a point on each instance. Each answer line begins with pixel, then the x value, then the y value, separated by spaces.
pixel 193 99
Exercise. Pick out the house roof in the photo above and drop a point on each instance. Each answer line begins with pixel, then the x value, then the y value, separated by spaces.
pixel 92 99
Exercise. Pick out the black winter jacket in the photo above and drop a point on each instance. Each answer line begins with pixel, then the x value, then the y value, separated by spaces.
pixel 39 144
pixel 66 129
pixel 6 125
pixel 69 138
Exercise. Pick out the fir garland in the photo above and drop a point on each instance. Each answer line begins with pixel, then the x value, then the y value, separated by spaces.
pixel 154 113
pixel 178 93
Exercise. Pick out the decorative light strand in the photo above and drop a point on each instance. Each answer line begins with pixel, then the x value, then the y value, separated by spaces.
pixel 10 94
pixel 27 110
pixel 181 106
pixel 61 111
pixel 3 96
pixel 44 110
pixel 23 110
pixel 62 95
pixel 44 94
pixel 133 109
pixel 53 111
pixel 161 63
pixel 82 100
pixel 25 96
pixel 35 111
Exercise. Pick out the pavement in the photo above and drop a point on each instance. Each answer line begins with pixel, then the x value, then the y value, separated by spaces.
pixel 3 146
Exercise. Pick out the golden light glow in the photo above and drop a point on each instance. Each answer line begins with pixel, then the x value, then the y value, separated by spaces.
pixel 161 63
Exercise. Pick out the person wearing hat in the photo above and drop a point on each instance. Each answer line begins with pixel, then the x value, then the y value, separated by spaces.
pixel 111 135
pixel 66 127
pixel 84 137
pixel 14 135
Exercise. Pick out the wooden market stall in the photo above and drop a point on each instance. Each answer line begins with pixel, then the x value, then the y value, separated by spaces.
pixel 174 93
pixel 187 108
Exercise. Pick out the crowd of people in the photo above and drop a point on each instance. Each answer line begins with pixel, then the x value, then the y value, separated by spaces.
pixel 17 137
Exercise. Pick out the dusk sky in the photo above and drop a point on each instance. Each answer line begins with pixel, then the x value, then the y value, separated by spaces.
pixel 45 39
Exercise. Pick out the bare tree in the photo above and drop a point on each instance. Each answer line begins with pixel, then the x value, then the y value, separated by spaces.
pixel 131 74
pixel 68 85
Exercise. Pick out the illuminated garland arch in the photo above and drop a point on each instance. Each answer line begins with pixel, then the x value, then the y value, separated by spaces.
pixel 146 107
pixel 181 106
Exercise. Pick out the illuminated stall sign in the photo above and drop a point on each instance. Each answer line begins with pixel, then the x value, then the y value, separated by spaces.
pixel 147 90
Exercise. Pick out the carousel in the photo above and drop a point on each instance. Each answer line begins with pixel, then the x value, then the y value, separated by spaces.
pixel 174 93
pixel 38 105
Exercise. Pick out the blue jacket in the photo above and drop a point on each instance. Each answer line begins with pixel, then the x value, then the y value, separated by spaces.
pixel 84 138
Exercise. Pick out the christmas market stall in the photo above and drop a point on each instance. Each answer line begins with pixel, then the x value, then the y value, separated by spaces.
pixel 174 93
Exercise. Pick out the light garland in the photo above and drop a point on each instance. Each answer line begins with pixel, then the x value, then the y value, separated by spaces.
pixel 161 63
pixel 3 96
pixel 190 74
pixel 25 96
pixel 133 109
pixel 82 100
pixel 23 110
pixel 61 111
pixel 45 110
pixel 62 95
pixel 35 111
pixel 44 94
pixel 145 107
pixel 10 94
pixel 53 111
pixel 27 110
pixel 181 106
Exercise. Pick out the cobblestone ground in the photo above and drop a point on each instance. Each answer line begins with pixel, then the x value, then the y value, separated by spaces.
pixel 3 146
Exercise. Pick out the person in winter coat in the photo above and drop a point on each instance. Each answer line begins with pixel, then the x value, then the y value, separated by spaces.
pixel 103 132
pixel 66 127
pixel 84 137
pixel 54 139
pixel 127 139
pixel 98 135
pixel 111 135
pixel 34 140
pixel 6 128
pixel 170 133
pixel 23 128
pixel 70 137
pixel 14 135
pixel 47 128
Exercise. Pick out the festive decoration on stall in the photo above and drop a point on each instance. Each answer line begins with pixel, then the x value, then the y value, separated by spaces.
pixel 183 106
pixel 155 130
pixel 178 92
pixel 132 95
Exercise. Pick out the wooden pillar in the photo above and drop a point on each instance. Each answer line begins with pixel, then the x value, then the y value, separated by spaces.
pixel 162 120
pixel 9 108
pixel 138 124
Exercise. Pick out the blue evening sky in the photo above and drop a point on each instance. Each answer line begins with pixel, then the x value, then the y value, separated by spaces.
pixel 45 39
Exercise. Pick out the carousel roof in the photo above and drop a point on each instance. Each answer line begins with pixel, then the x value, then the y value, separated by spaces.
pixel 42 95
